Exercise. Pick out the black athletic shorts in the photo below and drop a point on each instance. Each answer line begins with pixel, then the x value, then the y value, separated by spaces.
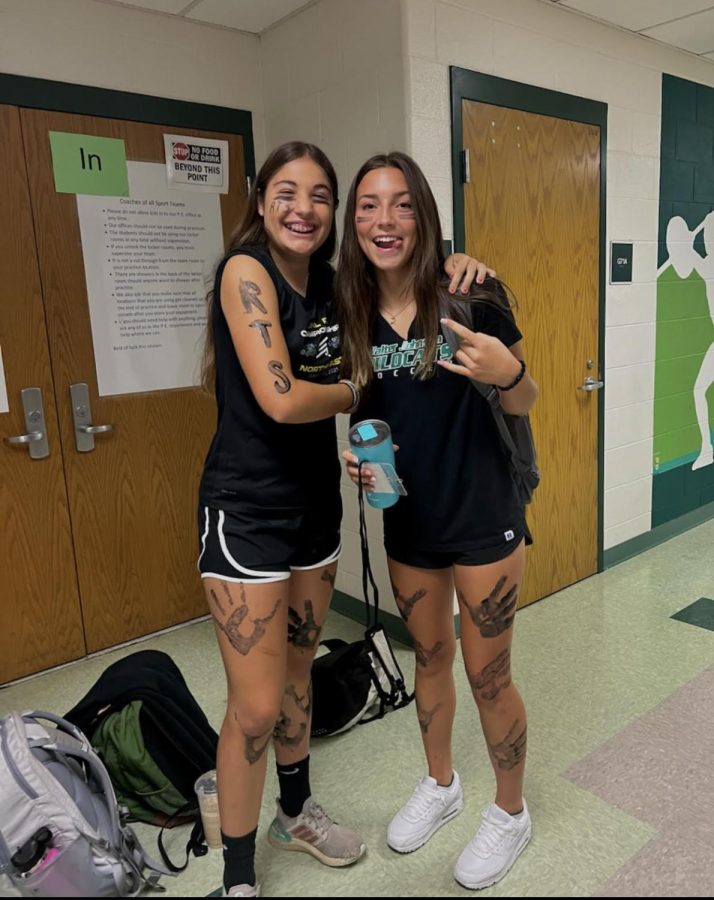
pixel 263 545
pixel 480 553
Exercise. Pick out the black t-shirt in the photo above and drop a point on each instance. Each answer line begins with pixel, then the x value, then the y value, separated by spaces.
pixel 254 461
pixel 460 491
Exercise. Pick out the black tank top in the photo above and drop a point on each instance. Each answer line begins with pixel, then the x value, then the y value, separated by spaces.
pixel 253 461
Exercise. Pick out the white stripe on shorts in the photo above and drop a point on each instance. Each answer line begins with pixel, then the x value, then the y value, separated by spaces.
pixel 245 580
pixel 203 541
pixel 255 575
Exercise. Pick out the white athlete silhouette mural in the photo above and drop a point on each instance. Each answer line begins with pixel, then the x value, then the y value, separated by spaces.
pixel 684 259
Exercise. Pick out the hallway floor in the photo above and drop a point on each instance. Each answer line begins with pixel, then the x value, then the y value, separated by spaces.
pixel 620 784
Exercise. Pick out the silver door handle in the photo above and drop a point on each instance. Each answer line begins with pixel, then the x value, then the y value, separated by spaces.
pixel 36 438
pixel 25 438
pixel 84 431
pixel 95 429
pixel 590 384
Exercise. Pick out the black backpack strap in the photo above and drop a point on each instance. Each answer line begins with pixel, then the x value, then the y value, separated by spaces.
pixel 196 842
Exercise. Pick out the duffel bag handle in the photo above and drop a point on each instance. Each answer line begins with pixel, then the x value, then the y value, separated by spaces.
pixel 333 643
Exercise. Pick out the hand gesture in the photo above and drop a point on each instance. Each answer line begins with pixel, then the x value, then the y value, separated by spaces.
pixel 481 356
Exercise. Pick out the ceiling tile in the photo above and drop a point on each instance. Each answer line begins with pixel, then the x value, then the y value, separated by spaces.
pixel 638 14
pixel 695 33
pixel 246 15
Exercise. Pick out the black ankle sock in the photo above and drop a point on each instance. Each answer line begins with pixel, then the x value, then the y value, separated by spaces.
pixel 451 781
pixel 239 859
pixel 294 786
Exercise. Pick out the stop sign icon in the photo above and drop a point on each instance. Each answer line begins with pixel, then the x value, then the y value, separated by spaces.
pixel 180 151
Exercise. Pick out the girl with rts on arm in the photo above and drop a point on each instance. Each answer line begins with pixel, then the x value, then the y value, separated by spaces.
pixel 462 524
pixel 269 501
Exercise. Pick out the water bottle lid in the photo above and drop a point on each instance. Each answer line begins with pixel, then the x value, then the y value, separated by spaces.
pixel 369 433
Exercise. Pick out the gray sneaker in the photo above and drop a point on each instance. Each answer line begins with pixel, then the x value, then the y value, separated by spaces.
pixel 314 832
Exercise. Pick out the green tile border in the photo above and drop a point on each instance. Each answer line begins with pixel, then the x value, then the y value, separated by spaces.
pixel 699 613
pixel 657 535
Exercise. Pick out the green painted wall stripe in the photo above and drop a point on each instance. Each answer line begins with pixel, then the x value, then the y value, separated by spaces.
pixel 684 327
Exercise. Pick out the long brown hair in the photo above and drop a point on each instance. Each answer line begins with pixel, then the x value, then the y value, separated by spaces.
pixel 356 283
pixel 251 230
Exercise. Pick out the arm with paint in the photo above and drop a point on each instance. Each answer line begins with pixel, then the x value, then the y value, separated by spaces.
pixel 250 305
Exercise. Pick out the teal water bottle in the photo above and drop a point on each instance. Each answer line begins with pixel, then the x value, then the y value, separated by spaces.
pixel 371 441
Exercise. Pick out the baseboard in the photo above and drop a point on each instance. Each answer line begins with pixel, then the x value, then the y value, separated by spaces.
pixel 354 609
pixel 393 625
pixel 658 535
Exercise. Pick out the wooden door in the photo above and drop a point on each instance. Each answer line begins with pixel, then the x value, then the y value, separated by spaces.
pixel 532 210
pixel 41 618
pixel 132 499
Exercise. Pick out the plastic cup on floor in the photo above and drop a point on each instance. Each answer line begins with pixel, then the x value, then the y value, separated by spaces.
pixel 206 788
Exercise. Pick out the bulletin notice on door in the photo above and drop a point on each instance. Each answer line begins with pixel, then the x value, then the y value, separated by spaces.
pixel 149 260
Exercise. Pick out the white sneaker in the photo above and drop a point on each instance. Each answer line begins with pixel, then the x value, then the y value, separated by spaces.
pixel 497 845
pixel 429 807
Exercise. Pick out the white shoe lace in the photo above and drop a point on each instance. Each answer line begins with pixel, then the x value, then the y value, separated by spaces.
pixel 421 802
pixel 317 819
pixel 491 837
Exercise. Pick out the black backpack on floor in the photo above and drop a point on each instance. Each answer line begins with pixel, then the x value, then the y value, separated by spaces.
pixel 154 739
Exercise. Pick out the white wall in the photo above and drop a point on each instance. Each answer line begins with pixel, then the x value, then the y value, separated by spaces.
pixel 126 49
pixel 334 76
pixel 534 42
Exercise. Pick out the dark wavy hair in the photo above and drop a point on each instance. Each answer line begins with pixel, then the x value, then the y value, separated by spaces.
pixel 251 230
pixel 356 283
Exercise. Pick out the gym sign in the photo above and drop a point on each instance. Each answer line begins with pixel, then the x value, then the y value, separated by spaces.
pixel 620 263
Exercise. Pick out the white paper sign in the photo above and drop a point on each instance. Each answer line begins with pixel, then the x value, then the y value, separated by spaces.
pixel 4 404
pixel 196 164
pixel 149 260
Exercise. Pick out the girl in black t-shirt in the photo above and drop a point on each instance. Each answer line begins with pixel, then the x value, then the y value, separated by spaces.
pixel 269 511
pixel 461 523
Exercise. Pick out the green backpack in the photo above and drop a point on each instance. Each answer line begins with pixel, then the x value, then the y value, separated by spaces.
pixel 139 783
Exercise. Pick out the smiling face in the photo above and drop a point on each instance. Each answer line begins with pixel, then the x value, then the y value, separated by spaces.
pixel 384 219
pixel 297 208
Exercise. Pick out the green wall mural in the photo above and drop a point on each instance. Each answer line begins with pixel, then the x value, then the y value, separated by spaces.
pixel 683 461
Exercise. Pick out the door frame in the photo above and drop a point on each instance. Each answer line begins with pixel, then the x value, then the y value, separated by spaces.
pixel 468 85
pixel 60 96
